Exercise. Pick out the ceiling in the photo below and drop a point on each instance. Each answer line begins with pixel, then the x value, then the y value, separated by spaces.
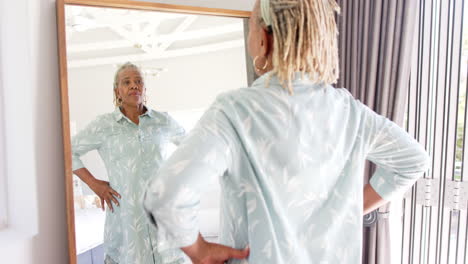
pixel 103 36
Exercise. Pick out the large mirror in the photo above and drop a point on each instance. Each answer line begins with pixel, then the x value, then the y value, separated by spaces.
pixel 173 64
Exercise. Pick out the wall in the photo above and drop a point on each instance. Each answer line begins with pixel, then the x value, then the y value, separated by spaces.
pixel 36 197
pixel 36 226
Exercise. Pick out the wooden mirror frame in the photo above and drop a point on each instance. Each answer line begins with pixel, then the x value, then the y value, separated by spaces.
pixel 62 51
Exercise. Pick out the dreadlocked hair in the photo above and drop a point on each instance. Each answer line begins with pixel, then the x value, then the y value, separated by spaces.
pixel 305 40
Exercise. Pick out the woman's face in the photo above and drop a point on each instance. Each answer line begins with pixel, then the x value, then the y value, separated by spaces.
pixel 131 87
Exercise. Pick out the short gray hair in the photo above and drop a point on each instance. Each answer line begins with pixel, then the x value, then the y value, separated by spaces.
pixel 127 65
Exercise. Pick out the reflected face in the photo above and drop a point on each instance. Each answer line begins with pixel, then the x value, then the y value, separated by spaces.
pixel 131 87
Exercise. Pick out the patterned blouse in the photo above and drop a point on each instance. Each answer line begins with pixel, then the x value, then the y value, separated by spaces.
pixel 131 154
pixel 291 172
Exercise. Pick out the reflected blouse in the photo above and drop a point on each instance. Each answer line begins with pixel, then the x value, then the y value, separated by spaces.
pixel 131 154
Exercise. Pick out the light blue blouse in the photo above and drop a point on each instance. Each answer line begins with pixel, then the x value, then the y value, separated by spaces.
pixel 291 172
pixel 131 154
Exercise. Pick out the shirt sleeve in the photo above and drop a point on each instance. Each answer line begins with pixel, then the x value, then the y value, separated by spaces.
pixel 400 159
pixel 173 196
pixel 86 140
pixel 177 133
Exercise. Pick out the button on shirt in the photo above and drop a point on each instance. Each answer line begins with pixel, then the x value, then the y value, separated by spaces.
pixel 131 154
pixel 291 172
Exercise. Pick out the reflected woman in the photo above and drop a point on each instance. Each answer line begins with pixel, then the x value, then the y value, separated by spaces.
pixel 131 141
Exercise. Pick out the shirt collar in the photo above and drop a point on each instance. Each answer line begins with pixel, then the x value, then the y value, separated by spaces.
pixel 118 115
pixel 298 80
pixel 149 112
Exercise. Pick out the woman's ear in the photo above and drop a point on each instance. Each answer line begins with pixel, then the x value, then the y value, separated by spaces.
pixel 265 46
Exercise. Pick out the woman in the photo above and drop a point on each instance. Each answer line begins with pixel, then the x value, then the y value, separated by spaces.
pixel 131 141
pixel 289 151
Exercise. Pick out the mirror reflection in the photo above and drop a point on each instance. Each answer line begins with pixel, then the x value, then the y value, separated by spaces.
pixel 138 83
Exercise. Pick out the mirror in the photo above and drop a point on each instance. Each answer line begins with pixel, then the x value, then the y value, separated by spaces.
pixel 184 58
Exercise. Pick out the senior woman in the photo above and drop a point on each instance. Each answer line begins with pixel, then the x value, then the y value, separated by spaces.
pixel 289 152
pixel 131 141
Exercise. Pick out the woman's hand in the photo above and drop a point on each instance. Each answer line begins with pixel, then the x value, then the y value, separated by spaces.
pixel 372 199
pixel 202 252
pixel 100 188
pixel 105 193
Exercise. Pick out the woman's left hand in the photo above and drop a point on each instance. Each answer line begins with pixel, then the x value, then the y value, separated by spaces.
pixel 202 252
pixel 105 192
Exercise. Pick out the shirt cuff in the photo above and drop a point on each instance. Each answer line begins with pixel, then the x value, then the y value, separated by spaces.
pixel 386 184
pixel 77 164
pixel 169 235
pixel 172 242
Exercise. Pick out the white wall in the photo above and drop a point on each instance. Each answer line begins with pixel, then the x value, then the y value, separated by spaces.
pixel 36 201
pixel 191 82
pixel 29 65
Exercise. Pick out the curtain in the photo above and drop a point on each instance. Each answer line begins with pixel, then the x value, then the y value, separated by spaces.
pixel 375 46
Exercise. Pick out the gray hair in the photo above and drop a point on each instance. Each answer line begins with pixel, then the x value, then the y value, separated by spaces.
pixel 127 65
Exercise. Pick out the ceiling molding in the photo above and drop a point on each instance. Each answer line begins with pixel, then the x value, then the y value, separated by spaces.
pixel 187 35
pixel 184 25
pixel 148 57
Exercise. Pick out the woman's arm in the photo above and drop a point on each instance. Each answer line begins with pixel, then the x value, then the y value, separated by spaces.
pixel 177 131
pixel 89 139
pixel 400 159
pixel 173 196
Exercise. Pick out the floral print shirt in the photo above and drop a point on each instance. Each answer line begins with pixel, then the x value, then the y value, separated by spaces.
pixel 291 171
pixel 132 154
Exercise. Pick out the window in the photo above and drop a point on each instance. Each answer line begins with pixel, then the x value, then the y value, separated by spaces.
pixel 434 222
